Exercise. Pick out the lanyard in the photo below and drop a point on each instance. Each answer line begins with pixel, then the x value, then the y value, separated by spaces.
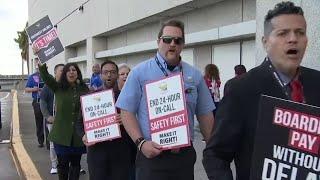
pixel 162 68
pixel 277 78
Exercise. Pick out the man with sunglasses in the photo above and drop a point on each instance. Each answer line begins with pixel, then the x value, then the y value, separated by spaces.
pixel 152 161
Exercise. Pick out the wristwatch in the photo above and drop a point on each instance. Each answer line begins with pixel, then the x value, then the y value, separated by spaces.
pixel 138 141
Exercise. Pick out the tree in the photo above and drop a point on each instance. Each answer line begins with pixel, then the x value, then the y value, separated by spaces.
pixel 23 43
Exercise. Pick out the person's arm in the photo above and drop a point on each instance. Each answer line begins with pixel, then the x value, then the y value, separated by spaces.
pixel 44 98
pixel 204 109
pixel 130 123
pixel 225 140
pixel 128 101
pixel 45 112
pixel 48 79
pixel 30 88
pixel 206 124
pixel 44 108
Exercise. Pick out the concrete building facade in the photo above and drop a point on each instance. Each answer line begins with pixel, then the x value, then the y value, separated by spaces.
pixel 223 32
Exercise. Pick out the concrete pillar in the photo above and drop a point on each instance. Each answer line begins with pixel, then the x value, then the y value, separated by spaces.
pixel 311 10
pixel 94 44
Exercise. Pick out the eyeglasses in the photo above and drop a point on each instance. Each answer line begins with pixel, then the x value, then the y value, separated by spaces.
pixel 112 72
pixel 168 40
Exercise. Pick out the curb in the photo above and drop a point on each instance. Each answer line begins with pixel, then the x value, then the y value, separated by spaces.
pixel 23 162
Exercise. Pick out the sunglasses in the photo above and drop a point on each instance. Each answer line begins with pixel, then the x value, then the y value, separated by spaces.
pixel 168 40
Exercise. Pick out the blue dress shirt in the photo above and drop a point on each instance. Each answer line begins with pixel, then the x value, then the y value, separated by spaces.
pixel 133 96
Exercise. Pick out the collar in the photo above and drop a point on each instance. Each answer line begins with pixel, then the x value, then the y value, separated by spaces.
pixel 95 74
pixel 284 78
pixel 164 63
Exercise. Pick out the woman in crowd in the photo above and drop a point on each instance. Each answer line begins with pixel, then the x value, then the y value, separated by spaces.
pixel 67 144
pixel 212 79
pixel 124 70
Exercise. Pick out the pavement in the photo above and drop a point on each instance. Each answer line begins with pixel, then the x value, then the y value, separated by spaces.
pixel 33 161
pixel 39 156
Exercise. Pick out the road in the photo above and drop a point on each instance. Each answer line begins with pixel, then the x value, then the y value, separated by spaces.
pixel 7 167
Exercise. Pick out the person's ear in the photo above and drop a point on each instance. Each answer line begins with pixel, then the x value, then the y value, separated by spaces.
pixel 264 42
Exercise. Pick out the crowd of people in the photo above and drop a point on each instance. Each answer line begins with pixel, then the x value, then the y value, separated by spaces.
pixel 226 123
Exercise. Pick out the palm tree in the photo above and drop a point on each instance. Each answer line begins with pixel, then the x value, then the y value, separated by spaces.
pixel 23 42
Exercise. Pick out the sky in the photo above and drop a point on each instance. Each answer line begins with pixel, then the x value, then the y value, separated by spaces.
pixel 13 17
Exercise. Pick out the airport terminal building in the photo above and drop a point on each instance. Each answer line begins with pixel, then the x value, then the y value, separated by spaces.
pixel 223 32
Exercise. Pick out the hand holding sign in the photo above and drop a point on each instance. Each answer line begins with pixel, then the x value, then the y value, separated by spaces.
pixel 85 141
pixel 44 39
pixel 118 119
pixel 35 50
pixel 151 149
pixel 39 63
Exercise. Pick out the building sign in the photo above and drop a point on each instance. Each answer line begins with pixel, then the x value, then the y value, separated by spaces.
pixel 287 141
pixel 167 112
pixel 44 39
pixel 99 116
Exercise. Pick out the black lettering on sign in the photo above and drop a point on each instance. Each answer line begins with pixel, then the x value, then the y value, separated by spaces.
pixel 88 109
pixel 93 114
pixel 168 138
pixel 101 133
pixel 154 102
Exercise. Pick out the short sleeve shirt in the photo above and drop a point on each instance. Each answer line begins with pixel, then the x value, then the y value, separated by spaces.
pixel 133 96
pixel 34 80
pixel 95 81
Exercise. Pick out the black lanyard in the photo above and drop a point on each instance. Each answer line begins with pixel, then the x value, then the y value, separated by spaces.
pixel 162 68
pixel 277 78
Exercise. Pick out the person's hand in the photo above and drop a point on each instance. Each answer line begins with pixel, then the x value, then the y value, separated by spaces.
pixel 35 50
pixel 50 119
pixel 36 89
pixel 39 64
pixel 151 149
pixel 85 141
pixel 118 119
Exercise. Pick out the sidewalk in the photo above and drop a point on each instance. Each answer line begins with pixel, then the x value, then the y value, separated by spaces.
pixel 39 156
